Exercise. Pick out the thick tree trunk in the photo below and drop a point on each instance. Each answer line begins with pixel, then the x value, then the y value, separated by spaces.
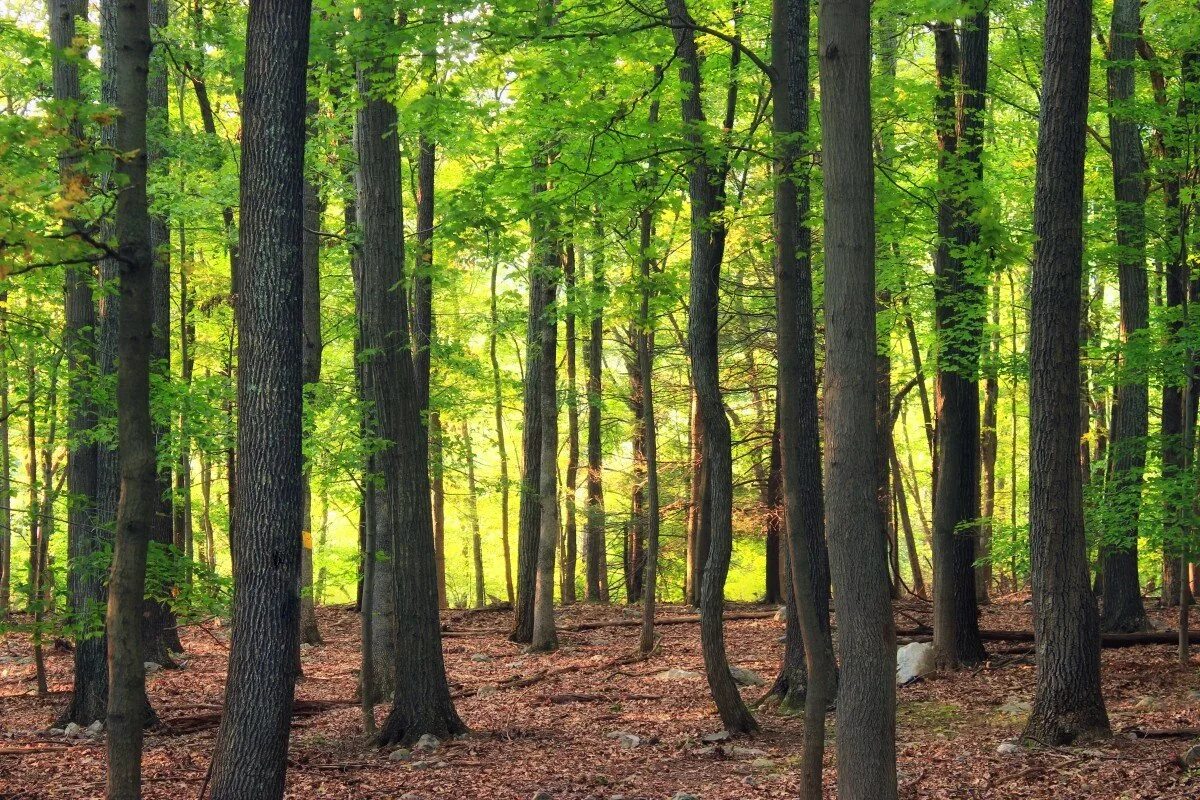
pixel 706 189
pixel 1122 590
pixel 799 434
pixel 140 500
pixel 959 316
pixel 543 637
pixel 422 700
pixel 866 718
pixel 1067 702
pixel 252 743
pixel 597 554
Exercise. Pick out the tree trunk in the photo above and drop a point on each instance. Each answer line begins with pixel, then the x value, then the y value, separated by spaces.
pixel 989 446
pixel 480 597
pixel 1122 590
pixel 543 637
pixel 5 469
pixel 251 752
pixel 570 529
pixel 773 509
pixel 314 209
pixel 422 700
pixel 706 190
pixel 597 555
pixel 866 718
pixel 1067 702
pixel 498 407
pixel 645 345
pixel 128 710
pixel 633 552
pixel 799 436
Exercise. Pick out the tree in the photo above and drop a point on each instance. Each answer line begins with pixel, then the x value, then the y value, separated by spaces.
pixel 402 509
pixel 706 190
pixel 596 588
pixel 1067 703
pixel 866 718
pixel 1123 609
pixel 251 752
pixel 139 498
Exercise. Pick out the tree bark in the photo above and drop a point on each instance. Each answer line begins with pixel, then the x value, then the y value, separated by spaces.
pixel 570 528
pixel 597 555
pixel 645 356
pixel 498 407
pixel 706 190
pixel 480 597
pixel 866 718
pixel 1067 701
pixel 989 447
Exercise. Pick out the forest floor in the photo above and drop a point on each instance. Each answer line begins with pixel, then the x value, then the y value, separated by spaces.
pixel 553 735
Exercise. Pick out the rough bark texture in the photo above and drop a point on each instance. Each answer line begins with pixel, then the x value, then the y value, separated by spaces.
pixel 422 700
pixel 959 316
pixel 866 718
pixel 1122 590
pixel 799 434
pixel 706 190
pixel 139 498
pixel 543 637
pixel 1067 701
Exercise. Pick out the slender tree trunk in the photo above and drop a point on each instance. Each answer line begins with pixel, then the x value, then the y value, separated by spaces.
pixel 422 700
pixel 5 466
pixel 1067 702
pixel 498 406
pixel 914 559
pixel 570 529
pixel 773 509
pixel 140 500
pixel 634 548
pixel 252 743
pixel 866 718
pixel 543 636
pixel 706 190
pixel 645 340
pixel 989 446
pixel 1122 590
pixel 597 555
pixel 799 437
pixel 473 516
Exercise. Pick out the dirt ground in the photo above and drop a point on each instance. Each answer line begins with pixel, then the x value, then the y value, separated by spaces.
pixel 553 735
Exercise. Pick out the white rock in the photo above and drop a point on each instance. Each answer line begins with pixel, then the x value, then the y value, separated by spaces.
pixel 781 614
pixel 95 728
pixel 746 677
pixel 1008 749
pixel 676 674
pixel 762 763
pixel 913 661
pixel 427 742
pixel 747 752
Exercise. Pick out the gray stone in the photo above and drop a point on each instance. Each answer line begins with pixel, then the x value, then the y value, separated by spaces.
pixel 684 796
pixel 1015 706
pixel 73 729
pixel 717 736
pixel 1192 757
pixel 747 752
pixel 487 690
pixel 95 728
pixel 627 740
pixel 481 658
pixel 400 754
pixel 151 667
pixel 746 677
pixel 781 614
pixel 762 763
pixel 1008 749
pixel 914 660
pixel 56 732
pixel 676 674
pixel 427 742
pixel 1146 704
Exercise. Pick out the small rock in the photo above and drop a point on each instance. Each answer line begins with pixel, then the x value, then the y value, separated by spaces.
pixel 399 754
pixel 1146 703
pixel 1192 757
pixel 781 614
pixel 481 658
pixel 747 752
pixel 73 729
pixel 913 661
pixel 422 764
pixel 1008 749
pixel 718 736
pixel 684 796
pixel 1015 706
pixel 762 763
pixel 151 667
pixel 427 742
pixel 487 690
pixel 95 728
pixel 627 740
pixel 746 677
pixel 442 764
pixel 676 674
pixel 56 731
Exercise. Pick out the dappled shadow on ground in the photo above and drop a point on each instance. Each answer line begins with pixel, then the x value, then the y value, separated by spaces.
pixel 552 723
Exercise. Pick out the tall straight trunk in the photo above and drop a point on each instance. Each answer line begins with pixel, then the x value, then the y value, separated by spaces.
pixel 480 597
pixel 84 539
pixel 1067 702
pixel 773 507
pixel 159 633
pixel 498 407
pixel 422 701
pixel 313 345
pixel 543 636
pixel 706 190
pixel 914 559
pixel 5 466
pixel 33 481
pixel 989 445
pixel 698 529
pixel 959 317
pixel 645 340
pixel 140 499
pixel 596 589
pixel 1122 590
pixel 206 521
pixel 252 743
pixel 866 718
pixel 570 527
pixel 184 533
pixel 634 547
pixel 799 433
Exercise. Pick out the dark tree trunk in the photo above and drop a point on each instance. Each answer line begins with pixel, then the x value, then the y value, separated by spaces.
pixel 570 526
pixel 84 539
pixel 697 530
pixel 645 357
pixel 866 718
pixel 543 637
pixel 1122 591
pixel 706 190
pixel 799 434
pixel 773 510
pixel 959 314
pixel 633 552
pixel 1067 702
pixel 403 514
pixel 140 500
pixel 498 407
pixel 989 446
pixel 597 555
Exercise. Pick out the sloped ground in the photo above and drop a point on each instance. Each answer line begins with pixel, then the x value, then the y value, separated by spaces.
pixel 553 735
